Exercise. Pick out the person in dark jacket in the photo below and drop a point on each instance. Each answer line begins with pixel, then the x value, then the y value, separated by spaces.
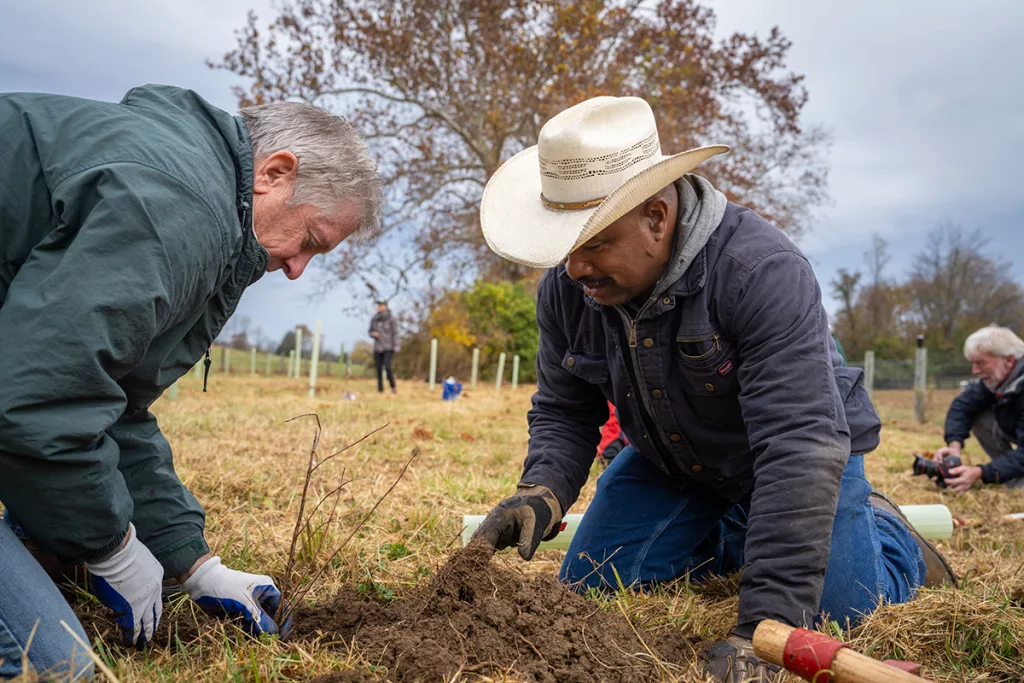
pixel 991 408
pixel 386 342
pixel 703 324
pixel 128 232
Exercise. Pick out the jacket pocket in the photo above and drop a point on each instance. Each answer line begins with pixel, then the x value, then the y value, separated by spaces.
pixel 707 365
pixel 698 347
pixel 591 367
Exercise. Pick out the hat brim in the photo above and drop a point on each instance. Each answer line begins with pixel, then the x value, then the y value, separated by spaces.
pixel 520 227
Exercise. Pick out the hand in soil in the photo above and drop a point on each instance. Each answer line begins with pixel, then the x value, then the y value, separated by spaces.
pixel 733 661
pixel 523 520
pixel 253 599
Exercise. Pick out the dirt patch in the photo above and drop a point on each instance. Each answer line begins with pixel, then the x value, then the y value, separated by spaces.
pixel 478 618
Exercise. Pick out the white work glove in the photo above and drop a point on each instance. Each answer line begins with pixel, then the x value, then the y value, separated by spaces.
pixel 231 594
pixel 129 582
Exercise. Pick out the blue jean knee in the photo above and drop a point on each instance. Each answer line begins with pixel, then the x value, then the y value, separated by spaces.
pixel 873 558
pixel 35 618
pixel 643 528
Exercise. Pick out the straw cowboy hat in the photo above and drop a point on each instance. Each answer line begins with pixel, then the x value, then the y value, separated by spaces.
pixel 593 163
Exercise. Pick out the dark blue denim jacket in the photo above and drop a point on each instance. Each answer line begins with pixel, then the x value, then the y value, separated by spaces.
pixel 729 380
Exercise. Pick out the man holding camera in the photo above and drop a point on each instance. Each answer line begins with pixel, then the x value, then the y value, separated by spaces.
pixel 992 408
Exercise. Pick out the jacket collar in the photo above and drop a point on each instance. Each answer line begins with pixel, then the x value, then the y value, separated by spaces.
pixel 1012 384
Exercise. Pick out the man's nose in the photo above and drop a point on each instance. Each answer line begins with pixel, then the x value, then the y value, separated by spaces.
pixel 578 266
pixel 296 265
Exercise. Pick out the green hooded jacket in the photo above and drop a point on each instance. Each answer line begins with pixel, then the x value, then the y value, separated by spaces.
pixel 125 244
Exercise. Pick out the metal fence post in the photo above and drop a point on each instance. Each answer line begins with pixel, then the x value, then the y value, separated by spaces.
pixel 515 372
pixel 476 367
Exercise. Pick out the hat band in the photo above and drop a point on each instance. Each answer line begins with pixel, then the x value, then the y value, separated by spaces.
pixel 571 206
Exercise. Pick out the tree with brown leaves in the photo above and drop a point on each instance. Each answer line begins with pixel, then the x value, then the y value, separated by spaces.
pixel 446 90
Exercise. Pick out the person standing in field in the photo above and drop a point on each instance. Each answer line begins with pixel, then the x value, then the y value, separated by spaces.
pixel 386 343
pixel 128 233
pixel 703 325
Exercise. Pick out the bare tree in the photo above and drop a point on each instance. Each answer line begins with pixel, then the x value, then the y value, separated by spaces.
pixel 955 288
pixel 876 259
pixel 446 90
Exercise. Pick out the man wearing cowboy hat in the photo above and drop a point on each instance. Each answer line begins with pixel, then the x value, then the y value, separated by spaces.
pixel 703 324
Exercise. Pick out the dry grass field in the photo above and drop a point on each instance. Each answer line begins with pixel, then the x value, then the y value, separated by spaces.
pixel 246 464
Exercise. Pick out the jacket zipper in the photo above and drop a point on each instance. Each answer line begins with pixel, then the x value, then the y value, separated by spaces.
pixel 641 385
pixel 248 278
pixel 206 369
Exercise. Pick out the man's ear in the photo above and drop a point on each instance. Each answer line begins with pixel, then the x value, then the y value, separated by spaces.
pixel 280 168
pixel 658 212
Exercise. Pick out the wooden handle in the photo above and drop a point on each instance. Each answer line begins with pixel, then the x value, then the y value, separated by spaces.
pixel 808 651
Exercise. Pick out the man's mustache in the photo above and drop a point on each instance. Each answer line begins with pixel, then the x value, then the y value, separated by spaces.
pixel 596 281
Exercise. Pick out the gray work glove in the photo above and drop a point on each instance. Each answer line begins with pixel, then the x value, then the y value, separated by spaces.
pixel 532 515
pixel 733 661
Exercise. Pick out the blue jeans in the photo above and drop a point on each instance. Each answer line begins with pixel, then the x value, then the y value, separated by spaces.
pixel 28 598
pixel 647 529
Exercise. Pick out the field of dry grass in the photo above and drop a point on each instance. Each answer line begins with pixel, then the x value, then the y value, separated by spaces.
pixel 246 464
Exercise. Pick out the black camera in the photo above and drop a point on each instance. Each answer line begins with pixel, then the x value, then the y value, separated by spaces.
pixel 938 471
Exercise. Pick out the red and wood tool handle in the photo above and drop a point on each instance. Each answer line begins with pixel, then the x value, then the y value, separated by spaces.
pixel 816 657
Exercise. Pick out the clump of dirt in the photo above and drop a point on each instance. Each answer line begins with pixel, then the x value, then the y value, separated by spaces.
pixel 479 618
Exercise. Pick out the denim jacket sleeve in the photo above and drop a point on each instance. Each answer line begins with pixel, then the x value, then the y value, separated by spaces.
pixel 567 414
pixel 798 434
pixel 965 407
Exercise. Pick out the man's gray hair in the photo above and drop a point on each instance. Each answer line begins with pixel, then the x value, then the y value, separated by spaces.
pixel 998 341
pixel 334 163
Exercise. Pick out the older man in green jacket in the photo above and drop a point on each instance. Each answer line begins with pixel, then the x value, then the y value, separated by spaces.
pixel 128 233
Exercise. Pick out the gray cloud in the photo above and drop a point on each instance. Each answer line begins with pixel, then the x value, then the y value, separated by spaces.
pixel 923 98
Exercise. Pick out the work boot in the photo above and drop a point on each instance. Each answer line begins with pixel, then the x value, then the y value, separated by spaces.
pixel 937 570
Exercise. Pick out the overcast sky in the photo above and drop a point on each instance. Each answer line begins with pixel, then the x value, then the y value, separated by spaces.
pixel 923 98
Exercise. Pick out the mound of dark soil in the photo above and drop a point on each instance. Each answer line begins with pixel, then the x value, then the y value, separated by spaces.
pixel 478 618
